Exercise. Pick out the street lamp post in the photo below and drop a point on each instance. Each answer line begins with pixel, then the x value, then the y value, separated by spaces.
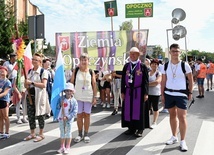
pixel 178 31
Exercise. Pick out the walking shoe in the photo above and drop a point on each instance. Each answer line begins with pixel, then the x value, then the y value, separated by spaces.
pixel 108 106
pixel 207 90
pixel 104 105
pixel 154 125
pixel 5 136
pixel 199 96
pixel 66 150
pixel 61 150
pixel 78 139
pixel 202 96
pixel 172 140
pixel 19 121
pixel 24 120
pixel 139 133
pixel 183 146
pixel 114 112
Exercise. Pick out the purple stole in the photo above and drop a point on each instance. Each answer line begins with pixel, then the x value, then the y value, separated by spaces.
pixel 136 94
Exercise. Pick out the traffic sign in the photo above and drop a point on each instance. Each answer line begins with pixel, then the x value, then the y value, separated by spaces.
pixel 137 10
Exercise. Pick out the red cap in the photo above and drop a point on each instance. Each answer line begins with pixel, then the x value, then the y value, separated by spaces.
pixel 3 67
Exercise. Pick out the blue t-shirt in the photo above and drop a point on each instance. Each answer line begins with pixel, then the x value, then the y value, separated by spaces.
pixel 3 85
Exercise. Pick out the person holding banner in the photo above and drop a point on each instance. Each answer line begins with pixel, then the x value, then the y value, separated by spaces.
pixel 134 92
pixel 40 104
pixel 68 111
pixel 86 91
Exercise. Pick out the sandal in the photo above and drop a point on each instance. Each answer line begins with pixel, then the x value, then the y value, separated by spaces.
pixel 86 139
pixel 39 138
pixel 77 139
pixel 29 137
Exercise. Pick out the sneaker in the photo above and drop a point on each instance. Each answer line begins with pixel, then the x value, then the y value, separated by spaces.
pixel 114 112
pixel 104 105
pixel 202 96
pixel 165 111
pixel 78 139
pixel 199 96
pixel 19 121
pixel 108 106
pixel 61 150
pixel 24 120
pixel 183 146
pixel 172 140
pixel 5 136
pixel 154 125
pixel 207 90
pixel 66 150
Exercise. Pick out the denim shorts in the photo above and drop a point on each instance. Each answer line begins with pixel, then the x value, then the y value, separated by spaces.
pixel 209 76
pixel 200 81
pixel 178 101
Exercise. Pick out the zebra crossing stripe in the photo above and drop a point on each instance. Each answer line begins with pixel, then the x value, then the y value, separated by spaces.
pixel 154 141
pixel 98 140
pixel 205 140
pixel 26 146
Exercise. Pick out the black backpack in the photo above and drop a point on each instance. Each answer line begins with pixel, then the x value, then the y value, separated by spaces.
pixel 49 81
pixel 186 91
pixel 75 74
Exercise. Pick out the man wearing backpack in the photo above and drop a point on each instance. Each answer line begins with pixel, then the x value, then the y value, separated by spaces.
pixel 175 95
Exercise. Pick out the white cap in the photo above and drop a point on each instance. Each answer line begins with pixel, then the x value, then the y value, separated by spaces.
pixel 134 49
pixel 69 86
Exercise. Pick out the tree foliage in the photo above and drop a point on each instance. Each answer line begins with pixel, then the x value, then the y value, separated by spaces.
pixel 127 25
pixel 7 22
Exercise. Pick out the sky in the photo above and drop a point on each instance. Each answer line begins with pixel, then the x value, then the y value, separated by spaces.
pixel 89 15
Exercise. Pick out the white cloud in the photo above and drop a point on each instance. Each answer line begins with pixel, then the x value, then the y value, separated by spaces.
pixel 88 15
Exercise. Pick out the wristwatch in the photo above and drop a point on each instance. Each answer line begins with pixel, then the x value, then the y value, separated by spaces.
pixel 32 83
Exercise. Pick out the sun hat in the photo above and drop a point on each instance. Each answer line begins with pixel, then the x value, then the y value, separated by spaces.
pixel 69 86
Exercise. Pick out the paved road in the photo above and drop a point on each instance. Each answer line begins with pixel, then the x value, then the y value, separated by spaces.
pixel 107 136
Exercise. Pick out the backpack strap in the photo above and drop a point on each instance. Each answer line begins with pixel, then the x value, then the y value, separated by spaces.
pixel 166 66
pixel 41 72
pixel 183 67
pixel 75 74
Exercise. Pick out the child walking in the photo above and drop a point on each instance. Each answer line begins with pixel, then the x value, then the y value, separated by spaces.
pixel 68 111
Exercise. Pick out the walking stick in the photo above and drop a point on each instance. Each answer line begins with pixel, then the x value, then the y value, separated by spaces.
pixel 63 111
pixel 28 89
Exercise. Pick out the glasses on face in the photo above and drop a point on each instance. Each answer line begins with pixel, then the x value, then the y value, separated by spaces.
pixel 175 51
pixel 35 59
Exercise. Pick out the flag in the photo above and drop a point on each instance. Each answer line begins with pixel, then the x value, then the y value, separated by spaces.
pixel 28 58
pixel 59 83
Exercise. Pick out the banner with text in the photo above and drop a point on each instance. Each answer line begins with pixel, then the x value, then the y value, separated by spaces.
pixel 106 49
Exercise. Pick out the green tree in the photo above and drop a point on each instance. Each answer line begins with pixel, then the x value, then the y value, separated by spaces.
pixel 157 51
pixel 7 22
pixel 127 25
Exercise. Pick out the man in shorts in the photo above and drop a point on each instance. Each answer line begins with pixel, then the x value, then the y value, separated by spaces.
pixel 174 95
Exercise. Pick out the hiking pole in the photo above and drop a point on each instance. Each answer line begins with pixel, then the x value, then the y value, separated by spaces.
pixel 63 113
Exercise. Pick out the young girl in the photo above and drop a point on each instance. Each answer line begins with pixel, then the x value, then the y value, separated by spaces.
pixel 68 110
pixel 5 86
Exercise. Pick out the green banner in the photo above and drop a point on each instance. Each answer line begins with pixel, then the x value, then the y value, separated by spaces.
pixel 137 10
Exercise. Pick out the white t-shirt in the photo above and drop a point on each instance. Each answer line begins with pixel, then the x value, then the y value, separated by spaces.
pixel 179 80
pixel 154 90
